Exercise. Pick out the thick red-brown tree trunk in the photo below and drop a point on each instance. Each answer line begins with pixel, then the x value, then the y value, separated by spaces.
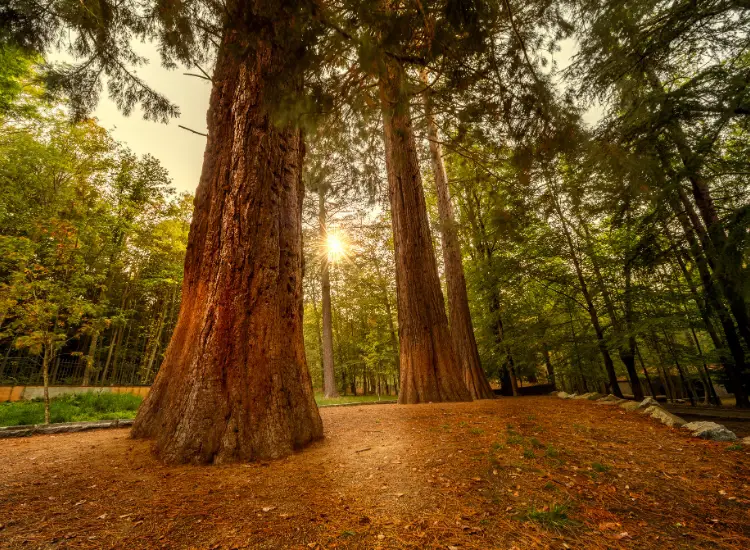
pixel 462 330
pixel 234 384
pixel 429 369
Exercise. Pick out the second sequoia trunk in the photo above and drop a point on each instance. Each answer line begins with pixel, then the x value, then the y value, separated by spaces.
pixel 234 384
pixel 429 369
pixel 462 331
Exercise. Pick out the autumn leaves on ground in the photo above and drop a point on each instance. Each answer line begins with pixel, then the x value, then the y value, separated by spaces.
pixel 530 472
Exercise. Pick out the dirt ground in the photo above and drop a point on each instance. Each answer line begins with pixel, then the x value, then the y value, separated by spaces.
pixel 489 474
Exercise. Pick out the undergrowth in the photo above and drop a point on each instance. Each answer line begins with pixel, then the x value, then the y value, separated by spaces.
pixel 71 408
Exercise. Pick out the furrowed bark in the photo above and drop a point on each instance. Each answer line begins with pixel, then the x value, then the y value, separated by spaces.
pixel 428 365
pixel 234 384
pixel 462 330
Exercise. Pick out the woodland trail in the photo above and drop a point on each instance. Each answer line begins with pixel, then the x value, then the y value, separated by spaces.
pixel 424 476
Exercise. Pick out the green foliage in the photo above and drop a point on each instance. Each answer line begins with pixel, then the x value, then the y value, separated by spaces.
pixel 71 408
pixel 92 240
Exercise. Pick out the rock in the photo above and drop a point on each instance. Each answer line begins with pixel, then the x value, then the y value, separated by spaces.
pixel 593 396
pixel 609 400
pixel 664 417
pixel 746 441
pixel 630 405
pixel 563 395
pixel 648 402
pixel 610 397
pixel 583 396
pixel 710 430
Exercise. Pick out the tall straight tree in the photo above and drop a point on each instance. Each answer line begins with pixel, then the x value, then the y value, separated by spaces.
pixel 329 374
pixel 462 330
pixel 234 384
pixel 429 368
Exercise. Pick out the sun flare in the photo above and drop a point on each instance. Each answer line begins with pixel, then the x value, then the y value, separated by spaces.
pixel 336 247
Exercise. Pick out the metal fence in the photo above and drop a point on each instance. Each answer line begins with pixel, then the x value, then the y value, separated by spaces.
pixel 65 371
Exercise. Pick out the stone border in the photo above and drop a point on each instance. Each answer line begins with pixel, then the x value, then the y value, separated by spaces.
pixel 651 407
pixel 64 427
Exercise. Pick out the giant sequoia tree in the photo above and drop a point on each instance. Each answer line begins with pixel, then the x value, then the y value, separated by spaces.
pixel 234 384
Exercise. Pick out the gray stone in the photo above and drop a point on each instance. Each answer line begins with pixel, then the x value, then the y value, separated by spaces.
pixel 630 405
pixel 593 396
pixel 583 396
pixel 563 395
pixel 664 417
pixel 746 441
pixel 609 400
pixel 649 401
pixel 710 430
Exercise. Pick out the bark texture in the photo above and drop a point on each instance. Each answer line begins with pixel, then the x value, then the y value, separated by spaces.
pixel 462 330
pixel 429 369
pixel 234 384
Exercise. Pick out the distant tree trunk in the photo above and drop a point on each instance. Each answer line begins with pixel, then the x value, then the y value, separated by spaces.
pixel 645 372
pixel 45 375
pixel 112 347
pixel 462 330
pixel 429 369
pixel 723 258
pixel 626 350
pixel 609 366
pixel 548 364
pixel 89 360
pixel 712 297
pixel 329 374
pixel 234 384
pixel 318 330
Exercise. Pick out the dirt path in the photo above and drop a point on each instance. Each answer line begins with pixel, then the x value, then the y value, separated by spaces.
pixel 425 476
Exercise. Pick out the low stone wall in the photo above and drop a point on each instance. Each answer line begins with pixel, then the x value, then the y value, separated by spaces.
pixel 27 393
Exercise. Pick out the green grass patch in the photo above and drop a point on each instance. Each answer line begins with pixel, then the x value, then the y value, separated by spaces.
pixel 322 400
pixel 71 408
pixel 553 517
pixel 599 467
pixel 735 447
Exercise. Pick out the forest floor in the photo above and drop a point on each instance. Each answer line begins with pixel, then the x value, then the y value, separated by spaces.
pixel 530 472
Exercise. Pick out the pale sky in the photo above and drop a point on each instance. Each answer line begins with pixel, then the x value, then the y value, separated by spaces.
pixel 180 151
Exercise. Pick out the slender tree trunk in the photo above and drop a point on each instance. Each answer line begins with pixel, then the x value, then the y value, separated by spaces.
pixel 112 352
pixel 609 366
pixel 462 330
pixel 430 371
pixel 626 350
pixel 715 245
pixel 329 374
pixel 89 360
pixel 645 371
pixel 45 375
pixel 548 364
pixel 713 302
pixel 234 384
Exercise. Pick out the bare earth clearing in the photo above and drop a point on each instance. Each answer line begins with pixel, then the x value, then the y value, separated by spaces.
pixel 424 476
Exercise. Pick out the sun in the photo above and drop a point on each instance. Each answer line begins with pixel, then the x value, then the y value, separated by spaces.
pixel 335 246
